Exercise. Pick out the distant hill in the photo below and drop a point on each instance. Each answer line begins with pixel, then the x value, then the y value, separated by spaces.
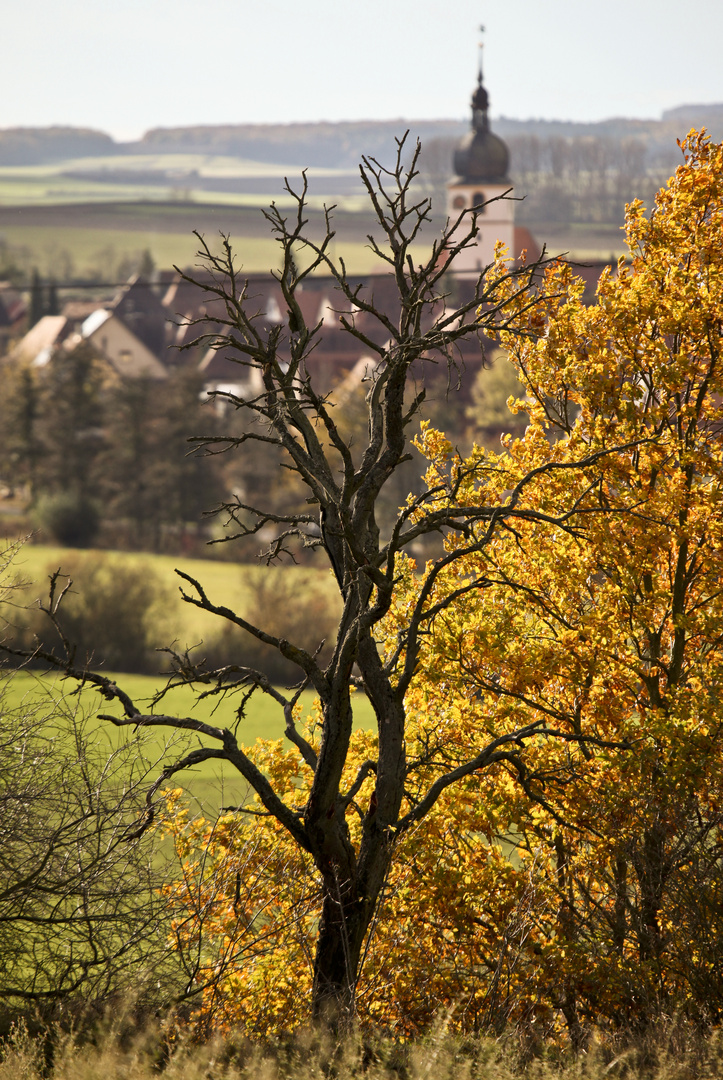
pixel 40 146
pixel 324 145
pixel 680 120
pixel 340 145
pixel 658 137
pixel 689 116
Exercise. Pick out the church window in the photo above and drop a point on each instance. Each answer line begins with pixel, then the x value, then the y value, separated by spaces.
pixel 458 203
pixel 478 200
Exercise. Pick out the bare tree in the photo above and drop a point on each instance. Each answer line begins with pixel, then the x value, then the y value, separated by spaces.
pixel 343 485
pixel 81 915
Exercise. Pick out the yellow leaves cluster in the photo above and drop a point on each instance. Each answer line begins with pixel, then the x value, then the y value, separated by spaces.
pixel 616 633
pixel 248 904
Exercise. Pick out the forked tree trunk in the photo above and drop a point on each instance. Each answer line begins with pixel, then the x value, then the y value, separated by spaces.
pixel 352 882
pixel 346 917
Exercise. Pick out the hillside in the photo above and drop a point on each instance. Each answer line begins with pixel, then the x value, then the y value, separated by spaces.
pixel 40 146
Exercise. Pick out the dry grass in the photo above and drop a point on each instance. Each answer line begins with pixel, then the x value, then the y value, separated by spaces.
pixel 123 1051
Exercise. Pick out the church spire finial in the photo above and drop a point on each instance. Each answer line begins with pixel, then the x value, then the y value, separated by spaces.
pixel 480 51
pixel 480 98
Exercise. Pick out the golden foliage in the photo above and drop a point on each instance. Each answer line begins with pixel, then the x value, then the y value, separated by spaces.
pixel 588 884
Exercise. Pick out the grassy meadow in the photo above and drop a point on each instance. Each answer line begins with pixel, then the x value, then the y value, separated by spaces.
pixel 159 177
pixel 125 1049
pixel 69 222
pixel 211 784
pixel 92 218
pixel 226 583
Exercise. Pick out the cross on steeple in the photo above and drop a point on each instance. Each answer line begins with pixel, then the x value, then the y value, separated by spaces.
pixel 480 98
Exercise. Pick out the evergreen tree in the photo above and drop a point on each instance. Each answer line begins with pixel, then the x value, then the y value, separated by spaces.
pixel 148 477
pixel 19 406
pixel 70 421
pixel 37 303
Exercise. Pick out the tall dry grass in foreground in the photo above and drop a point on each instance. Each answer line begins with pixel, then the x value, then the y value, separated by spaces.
pixel 121 1052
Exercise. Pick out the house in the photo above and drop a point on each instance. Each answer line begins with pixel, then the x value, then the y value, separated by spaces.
pixel 54 335
pixel 41 340
pixel 139 308
pixel 116 343
pixel 320 301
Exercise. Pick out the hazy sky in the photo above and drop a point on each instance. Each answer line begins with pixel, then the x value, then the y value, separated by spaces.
pixel 127 65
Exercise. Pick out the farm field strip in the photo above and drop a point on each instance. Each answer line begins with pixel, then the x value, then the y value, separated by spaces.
pixel 206 165
pixel 65 251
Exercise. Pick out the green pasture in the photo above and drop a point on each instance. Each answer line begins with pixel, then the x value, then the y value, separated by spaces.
pixel 263 718
pixel 211 784
pixel 64 252
pixel 82 226
pixel 76 248
pixel 50 184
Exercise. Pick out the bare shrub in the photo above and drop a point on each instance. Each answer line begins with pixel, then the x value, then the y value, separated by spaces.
pixel 82 918
pixel 113 613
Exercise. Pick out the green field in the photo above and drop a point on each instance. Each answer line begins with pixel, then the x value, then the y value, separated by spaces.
pixel 111 179
pixel 263 719
pixel 80 226
pixel 64 252
pixel 92 218
pixel 224 582
pixel 211 784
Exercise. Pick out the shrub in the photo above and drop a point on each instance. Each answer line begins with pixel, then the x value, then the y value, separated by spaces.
pixel 290 605
pixel 69 517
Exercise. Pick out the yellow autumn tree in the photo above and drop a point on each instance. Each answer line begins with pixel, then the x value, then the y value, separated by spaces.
pixel 613 630
pixel 580 881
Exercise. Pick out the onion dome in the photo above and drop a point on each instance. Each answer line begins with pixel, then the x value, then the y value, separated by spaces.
pixel 481 157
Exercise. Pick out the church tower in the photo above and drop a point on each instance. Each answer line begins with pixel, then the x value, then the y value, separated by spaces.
pixel 481 162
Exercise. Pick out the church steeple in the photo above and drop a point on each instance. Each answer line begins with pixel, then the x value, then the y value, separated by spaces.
pixel 480 98
pixel 480 105
pixel 481 163
pixel 481 156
